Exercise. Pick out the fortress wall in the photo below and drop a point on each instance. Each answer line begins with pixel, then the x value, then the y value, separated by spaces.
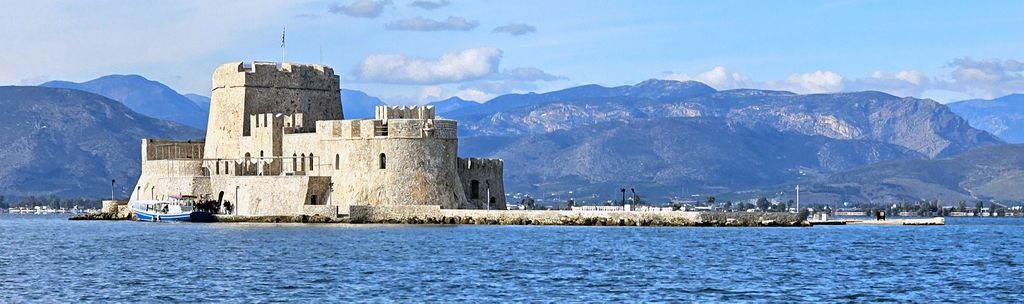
pixel 157 149
pixel 486 174
pixel 163 178
pixel 417 172
pixel 240 90
pixel 299 146
pixel 270 195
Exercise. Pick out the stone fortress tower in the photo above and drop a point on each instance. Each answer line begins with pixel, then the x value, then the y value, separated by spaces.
pixel 278 144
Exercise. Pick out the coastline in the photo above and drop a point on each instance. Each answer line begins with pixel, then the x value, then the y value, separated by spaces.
pixel 433 215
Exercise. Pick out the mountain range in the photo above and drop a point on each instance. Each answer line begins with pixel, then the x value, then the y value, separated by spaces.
pixel 1003 116
pixel 672 139
pixel 145 96
pixel 71 143
pixel 676 139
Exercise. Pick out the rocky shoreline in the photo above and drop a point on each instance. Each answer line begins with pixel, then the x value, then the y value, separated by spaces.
pixel 431 215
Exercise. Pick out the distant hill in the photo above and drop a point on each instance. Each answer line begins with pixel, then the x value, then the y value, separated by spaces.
pixel 921 125
pixel 988 173
pixel 1003 116
pixel 648 90
pixel 357 104
pixel 442 107
pixel 199 100
pixel 675 139
pixel 71 143
pixel 671 157
pixel 144 96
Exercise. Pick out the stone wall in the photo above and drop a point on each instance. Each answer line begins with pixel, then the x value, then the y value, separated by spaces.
pixel 161 179
pixel 270 195
pixel 487 176
pixel 388 214
pixel 387 113
pixel 436 215
pixel 240 91
pixel 416 171
pixel 156 149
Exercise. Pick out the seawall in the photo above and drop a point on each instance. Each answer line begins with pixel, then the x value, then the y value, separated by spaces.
pixel 436 215
pixel 420 214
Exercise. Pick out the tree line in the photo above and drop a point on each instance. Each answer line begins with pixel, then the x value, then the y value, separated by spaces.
pixel 52 201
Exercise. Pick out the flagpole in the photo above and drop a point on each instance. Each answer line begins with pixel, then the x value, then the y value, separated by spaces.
pixel 283 30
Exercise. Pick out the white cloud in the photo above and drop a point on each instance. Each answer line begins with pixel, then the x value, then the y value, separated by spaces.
pixel 901 83
pixel 429 5
pixel 475 95
pixel 987 78
pixel 814 82
pixel 429 25
pixel 78 41
pixel 469 64
pixel 717 77
pixel 528 74
pixel 361 8
pixel 430 93
pixel 515 29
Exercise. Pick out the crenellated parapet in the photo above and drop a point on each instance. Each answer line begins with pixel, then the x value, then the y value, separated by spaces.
pixel 386 113
pixel 395 128
pixel 156 149
pixel 270 74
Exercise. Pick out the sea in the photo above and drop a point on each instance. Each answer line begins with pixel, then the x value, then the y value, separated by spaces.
pixel 47 258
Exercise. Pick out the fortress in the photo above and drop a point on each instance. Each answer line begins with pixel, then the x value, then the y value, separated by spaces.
pixel 278 144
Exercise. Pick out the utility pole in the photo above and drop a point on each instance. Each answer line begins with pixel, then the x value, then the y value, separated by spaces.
pixel 623 190
pixel 112 182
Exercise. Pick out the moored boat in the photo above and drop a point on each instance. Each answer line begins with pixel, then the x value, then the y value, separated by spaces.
pixel 178 209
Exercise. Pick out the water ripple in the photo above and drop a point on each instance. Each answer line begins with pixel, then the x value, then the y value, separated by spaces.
pixel 49 259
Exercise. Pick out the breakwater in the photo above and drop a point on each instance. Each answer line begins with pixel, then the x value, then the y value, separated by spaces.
pixel 361 214
pixel 435 215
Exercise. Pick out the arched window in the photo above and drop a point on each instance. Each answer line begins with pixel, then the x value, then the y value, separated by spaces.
pixel 383 161
pixel 337 161
pixel 310 161
pixel 247 157
pixel 294 162
pixel 261 153
pixel 218 166
pixel 474 189
pixel 303 162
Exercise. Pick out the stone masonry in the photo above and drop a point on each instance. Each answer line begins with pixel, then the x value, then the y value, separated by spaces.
pixel 278 144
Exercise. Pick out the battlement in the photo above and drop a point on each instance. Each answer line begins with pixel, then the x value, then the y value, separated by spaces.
pixel 289 123
pixel 155 149
pixel 270 75
pixel 396 128
pixel 473 163
pixel 403 112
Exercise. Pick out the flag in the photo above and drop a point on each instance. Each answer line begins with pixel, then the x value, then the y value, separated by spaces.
pixel 282 37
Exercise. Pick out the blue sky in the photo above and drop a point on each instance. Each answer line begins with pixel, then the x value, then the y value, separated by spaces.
pixel 415 51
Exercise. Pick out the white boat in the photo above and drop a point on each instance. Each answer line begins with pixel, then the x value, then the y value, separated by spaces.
pixel 177 209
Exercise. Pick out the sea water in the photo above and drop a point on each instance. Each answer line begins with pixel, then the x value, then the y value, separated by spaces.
pixel 51 259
